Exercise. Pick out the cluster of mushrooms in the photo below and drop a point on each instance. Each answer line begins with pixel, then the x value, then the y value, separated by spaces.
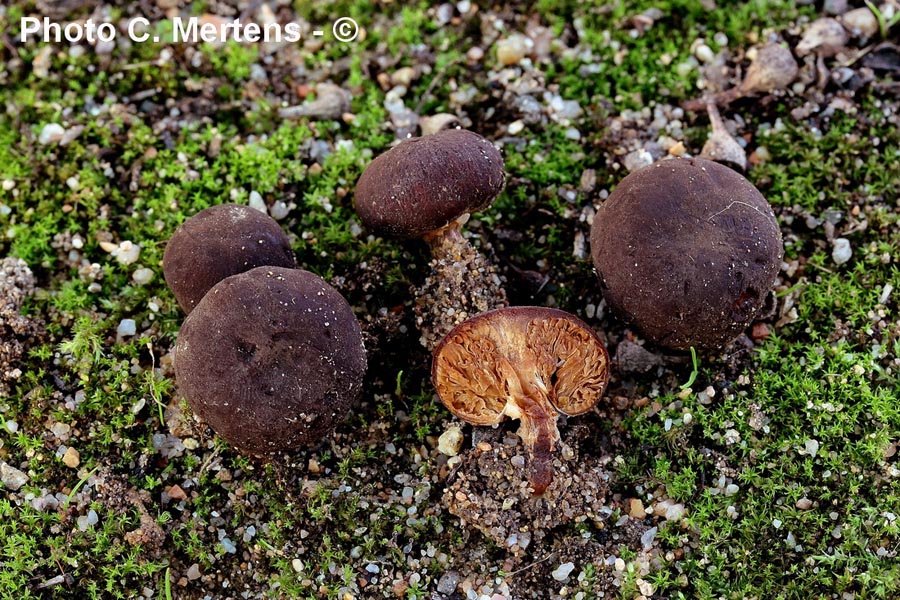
pixel 686 250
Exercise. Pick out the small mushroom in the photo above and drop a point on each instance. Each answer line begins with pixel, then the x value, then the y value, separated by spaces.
pixel 527 363
pixel 686 250
pixel 218 242
pixel 272 359
pixel 773 68
pixel 426 188
pixel 721 146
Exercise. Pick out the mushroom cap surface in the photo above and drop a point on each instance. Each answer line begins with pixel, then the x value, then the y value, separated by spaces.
pixel 272 359
pixel 686 250
pixel 424 184
pixel 525 362
pixel 218 242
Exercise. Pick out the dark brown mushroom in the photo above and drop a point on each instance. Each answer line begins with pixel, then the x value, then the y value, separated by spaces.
pixel 686 250
pixel 218 242
pixel 525 362
pixel 426 188
pixel 272 359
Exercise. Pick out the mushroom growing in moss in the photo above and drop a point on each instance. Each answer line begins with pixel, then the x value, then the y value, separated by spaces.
pixel 686 250
pixel 773 68
pixel 527 363
pixel 218 242
pixel 426 188
pixel 272 359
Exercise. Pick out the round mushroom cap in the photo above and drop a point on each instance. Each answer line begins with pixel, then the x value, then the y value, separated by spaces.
pixel 218 242
pixel 687 251
pixel 424 184
pixel 272 359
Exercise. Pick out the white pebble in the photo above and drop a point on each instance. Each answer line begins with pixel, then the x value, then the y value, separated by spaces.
pixel 841 252
pixel 12 477
pixel 142 276
pixel 52 133
pixel 256 201
pixel 279 210
pixel 127 252
pixel 563 571
pixel 704 53
pixel 637 160
pixel 515 127
pixel 811 447
pixel 675 512
pixel 127 328
pixel 648 537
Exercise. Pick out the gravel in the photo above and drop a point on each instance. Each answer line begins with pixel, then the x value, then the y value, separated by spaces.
pixel 841 251
pixel 12 477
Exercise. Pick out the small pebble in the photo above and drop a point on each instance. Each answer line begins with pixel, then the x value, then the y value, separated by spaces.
pixel 61 430
pixel 447 583
pixel 804 503
pixel 193 571
pixel 176 493
pixel 127 328
pixel 637 159
pixel 861 22
pixel 126 252
pixel 648 537
pixel 841 251
pixel 704 53
pixel 71 458
pixel 811 447
pixel 52 133
pixel 256 201
pixel 12 477
pixel 512 49
pixel 563 571
pixel 142 276
pixel 279 210
pixel 450 442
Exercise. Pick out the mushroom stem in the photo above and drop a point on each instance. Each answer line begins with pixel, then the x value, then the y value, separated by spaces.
pixel 448 242
pixel 462 283
pixel 540 435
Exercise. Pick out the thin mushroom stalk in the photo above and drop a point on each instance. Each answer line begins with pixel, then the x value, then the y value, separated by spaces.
pixel 721 146
pixel 462 283
pixel 540 436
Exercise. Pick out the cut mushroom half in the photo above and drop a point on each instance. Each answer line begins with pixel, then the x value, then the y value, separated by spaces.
pixel 526 363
